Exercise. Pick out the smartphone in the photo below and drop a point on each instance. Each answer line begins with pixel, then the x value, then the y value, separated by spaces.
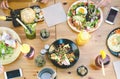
pixel 13 73
pixel 111 15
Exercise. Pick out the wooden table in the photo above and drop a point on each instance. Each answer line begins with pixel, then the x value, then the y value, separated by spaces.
pixel 88 52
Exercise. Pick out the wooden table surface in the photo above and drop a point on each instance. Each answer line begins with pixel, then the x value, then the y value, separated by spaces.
pixel 88 52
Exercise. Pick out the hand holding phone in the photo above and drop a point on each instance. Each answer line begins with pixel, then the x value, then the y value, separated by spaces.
pixel 13 73
pixel 111 15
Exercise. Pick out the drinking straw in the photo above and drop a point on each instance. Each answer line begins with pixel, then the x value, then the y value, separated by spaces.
pixel 26 27
pixel 103 69
pixel 18 41
pixel 103 54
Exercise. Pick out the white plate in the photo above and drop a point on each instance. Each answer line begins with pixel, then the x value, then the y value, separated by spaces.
pixel 91 30
pixel 10 58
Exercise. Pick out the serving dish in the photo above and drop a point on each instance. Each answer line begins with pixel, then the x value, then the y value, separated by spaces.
pixel 63 53
pixel 84 16
pixel 9 58
pixel 113 42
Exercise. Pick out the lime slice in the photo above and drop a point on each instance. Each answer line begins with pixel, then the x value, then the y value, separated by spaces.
pixel 25 48
pixel 33 25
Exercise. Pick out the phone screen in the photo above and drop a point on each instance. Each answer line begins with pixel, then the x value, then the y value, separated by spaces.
pixel 13 73
pixel 112 14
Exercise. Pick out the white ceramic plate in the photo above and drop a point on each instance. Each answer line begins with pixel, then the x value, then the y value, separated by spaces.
pixel 91 29
pixel 12 57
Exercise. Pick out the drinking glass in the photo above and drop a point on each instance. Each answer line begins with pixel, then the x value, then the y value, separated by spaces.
pixel 32 34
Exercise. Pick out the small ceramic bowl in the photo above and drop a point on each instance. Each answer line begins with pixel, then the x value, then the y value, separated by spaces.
pixel 47 73
pixel 82 70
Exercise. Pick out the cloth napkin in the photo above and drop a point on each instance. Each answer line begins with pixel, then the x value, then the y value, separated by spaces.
pixel 54 14
pixel 117 68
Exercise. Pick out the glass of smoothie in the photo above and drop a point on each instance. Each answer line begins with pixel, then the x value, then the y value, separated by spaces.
pixel 31 31
pixel 102 58
pixel 28 51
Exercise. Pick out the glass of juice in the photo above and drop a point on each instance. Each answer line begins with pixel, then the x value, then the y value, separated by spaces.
pixel 82 38
pixel 99 60
pixel 28 51
pixel 32 34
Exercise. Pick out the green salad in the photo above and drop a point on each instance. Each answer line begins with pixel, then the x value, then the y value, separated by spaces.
pixel 83 16
pixel 4 49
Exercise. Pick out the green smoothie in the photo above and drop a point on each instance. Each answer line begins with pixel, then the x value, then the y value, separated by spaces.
pixel 31 35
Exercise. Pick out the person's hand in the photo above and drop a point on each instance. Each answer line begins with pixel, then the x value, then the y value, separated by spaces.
pixel 44 1
pixel 4 4
pixel 104 3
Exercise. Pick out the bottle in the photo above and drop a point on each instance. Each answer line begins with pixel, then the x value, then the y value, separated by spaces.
pixel 6 18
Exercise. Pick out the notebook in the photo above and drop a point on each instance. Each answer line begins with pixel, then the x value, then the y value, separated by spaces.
pixel 117 68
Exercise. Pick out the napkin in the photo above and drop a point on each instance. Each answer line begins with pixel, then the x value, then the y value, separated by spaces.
pixel 117 68
pixel 54 14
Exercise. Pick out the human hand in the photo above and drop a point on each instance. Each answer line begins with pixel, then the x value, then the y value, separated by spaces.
pixel 104 3
pixel 44 1
pixel 4 4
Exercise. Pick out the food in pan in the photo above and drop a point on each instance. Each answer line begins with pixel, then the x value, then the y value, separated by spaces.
pixel 62 55
pixel 84 16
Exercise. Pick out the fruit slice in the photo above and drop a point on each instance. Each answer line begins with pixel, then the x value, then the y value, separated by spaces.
pixel 25 48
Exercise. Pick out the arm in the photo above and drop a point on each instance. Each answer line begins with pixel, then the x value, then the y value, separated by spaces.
pixel 104 3
pixel 44 1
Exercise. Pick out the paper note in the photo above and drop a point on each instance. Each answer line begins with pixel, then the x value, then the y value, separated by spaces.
pixel 54 14
pixel 117 68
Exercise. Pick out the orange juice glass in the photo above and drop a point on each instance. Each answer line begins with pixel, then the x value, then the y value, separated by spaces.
pixel 83 37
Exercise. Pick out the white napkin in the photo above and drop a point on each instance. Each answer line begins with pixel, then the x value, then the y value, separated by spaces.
pixel 54 14
pixel 117 68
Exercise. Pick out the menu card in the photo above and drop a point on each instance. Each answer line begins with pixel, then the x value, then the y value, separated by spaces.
pixel 54 14
pixel 117 68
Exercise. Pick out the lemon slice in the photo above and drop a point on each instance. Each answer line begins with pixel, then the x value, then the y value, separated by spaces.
pixel 103 54
pixel 25 48
pixel 84 35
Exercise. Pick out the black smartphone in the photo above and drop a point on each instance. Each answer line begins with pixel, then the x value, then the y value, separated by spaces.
pixel 111 15
pixel 13 73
